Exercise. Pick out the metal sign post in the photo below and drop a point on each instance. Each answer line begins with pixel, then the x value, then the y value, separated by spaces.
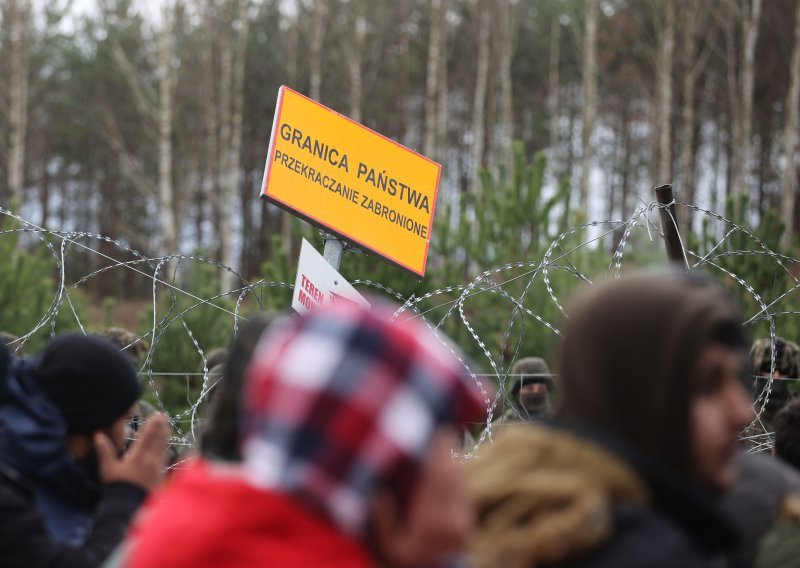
pixel 319 283
pixel 333 251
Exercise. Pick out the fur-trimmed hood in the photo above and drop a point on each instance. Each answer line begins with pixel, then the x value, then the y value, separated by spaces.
pixel 543 496
pixel 554 495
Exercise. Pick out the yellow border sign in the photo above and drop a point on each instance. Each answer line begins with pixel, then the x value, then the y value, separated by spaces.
pixel 351 180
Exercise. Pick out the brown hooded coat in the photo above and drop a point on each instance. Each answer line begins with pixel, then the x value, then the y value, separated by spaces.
pixel 611 486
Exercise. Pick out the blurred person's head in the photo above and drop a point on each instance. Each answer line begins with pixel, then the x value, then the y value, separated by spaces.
pixel 785 361
pixel 787 433
pixel 530 384
pixel 220 438
pixel 658 361
pixel 215 362
pixel 92 384
pixel 358 417
pixel 134 348
pixel 216 357
pixel 7 338
pixel 5 363
pixel 128 342
pixel 11 342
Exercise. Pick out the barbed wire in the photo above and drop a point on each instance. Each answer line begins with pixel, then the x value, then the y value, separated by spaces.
pixel 513 284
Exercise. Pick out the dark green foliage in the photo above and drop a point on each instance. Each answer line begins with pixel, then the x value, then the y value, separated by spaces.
pixel 513 221
pixel 181 320
pixel 28 289
pixel 743 257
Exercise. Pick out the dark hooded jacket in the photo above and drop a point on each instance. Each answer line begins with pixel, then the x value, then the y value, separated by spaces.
pixel 611 484
pixel 53 510
pixel 629 356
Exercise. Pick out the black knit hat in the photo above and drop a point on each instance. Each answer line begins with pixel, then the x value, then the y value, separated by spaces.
pixel 88 379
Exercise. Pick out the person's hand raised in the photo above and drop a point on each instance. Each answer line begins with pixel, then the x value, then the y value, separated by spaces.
pixel 144 464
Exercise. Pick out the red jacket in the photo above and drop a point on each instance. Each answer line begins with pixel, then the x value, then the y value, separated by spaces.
pixel 210 517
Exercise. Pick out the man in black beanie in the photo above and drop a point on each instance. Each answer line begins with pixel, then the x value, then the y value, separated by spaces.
pixel 66 497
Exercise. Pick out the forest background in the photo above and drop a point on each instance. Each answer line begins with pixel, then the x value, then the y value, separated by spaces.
pixel 148 122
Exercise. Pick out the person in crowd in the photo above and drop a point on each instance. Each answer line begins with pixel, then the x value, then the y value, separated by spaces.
pixel 650 372
pixel 759 500
pixel 135 348
pixel 772 397
pixel 213 367
pixel 216 359
pixel 66 497
pixel 787 433
pixel 220 439
pixel 349 421
pixel 132 345
pixel 212 371
pixel 763 496
pixel 779 547
pixel 5 359
pixel 529 387
pixel 11 341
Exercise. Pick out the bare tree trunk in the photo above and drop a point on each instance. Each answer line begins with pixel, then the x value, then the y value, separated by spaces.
pixel 224 140
pixel 569 162
pixel 626 167
pixel 209 198
pixel 359 36
pixel 624 171
pixel 508 26
pixel 156 110
pixel 45 195
pixel 442 109
pixel 790 136
pixel 589 99
pixel 614 174
pixel 490 131
pixel 716 164
pixel 294 46
pixel 434 75
pixel 552 92
pixel 744 125
pixel 317 40
pixel 169 222
pixel 404 11
pixel 664 94
pixel 686 186
pixel 479 103
pixel 287 238
pixel 765 139
pixel 695 16
pixel 233 146
pixel 734 109
pixel 19 26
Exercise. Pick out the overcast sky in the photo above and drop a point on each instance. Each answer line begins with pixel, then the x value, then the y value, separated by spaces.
pixel 149 8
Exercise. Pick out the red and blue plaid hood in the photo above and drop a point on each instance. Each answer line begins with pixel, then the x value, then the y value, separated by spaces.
pixel 343 399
